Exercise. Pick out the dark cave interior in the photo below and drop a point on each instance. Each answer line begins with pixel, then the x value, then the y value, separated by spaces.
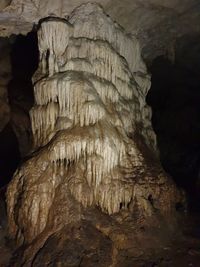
pixel 174 97
pixel 24 60
pixel 9 156
pixel 16 136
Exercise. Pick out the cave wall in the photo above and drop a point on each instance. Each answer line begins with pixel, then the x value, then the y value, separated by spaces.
pixel 157 24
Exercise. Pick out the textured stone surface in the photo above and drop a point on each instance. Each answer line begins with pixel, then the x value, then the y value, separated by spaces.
pixel 4 3
pixel 93 166
pixel 157 23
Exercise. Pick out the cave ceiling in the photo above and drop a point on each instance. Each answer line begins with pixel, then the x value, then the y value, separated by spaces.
pixel 157 23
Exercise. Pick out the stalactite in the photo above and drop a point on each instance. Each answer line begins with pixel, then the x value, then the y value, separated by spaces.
pixel 87 122
pixel 52 44
pixel 91 91
pixel 88 22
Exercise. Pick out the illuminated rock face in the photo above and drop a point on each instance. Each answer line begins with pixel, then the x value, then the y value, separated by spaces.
pixel 90 93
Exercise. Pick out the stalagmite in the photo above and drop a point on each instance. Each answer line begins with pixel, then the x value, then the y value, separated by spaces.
pixel 90 92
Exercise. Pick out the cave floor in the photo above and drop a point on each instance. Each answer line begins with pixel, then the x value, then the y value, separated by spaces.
pixel 182 251
pixel 5 252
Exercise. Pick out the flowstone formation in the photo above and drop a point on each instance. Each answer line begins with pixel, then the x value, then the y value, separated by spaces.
pixel 92 140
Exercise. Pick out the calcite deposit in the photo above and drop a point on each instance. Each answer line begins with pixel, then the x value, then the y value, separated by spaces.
pixel 92 140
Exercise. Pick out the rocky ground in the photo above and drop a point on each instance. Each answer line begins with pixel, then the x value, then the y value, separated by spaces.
pixel 182 250
pixel 5 251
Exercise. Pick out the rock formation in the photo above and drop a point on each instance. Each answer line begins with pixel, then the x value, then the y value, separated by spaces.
pixel 157 23
pixel 91 167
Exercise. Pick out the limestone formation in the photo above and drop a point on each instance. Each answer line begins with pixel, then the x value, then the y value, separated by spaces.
pixel 92 134
pixel 157 23
pixel 4 3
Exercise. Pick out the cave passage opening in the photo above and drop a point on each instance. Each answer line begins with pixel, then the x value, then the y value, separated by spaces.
pixel 21 54
pixel 10 154
pixel 24 61
pixel 174 97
